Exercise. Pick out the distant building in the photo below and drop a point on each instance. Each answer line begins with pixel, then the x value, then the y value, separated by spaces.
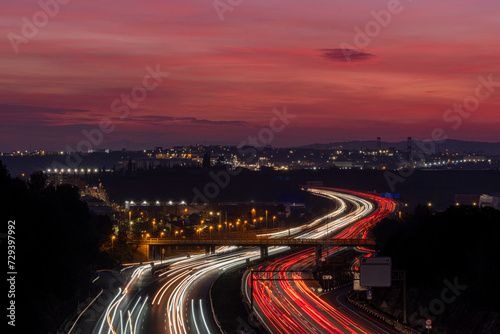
pixel 462 199
pixel 480 200
pixel 487 200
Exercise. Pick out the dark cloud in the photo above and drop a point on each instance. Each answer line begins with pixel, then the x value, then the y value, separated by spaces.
pixel 345 55
pixel 232 123
pixel 14 109
pixel 154 120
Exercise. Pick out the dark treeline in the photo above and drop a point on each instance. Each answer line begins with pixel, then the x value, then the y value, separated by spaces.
pixel 57 248
pixel 452 260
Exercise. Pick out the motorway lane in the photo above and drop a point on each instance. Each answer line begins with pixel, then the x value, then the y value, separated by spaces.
pixel 289 305
pixel 338 299
pixel 181 305
pixel 170 303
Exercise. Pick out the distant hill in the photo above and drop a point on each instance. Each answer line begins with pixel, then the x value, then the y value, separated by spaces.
pixel 452 145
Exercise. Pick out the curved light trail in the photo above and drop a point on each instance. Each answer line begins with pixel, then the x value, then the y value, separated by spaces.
pixel 289 305
pixel 177 301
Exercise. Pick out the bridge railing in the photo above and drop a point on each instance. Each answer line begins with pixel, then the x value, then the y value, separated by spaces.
pixel 256 241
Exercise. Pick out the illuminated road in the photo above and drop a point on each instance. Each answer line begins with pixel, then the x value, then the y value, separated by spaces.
pixel 290 306
pixel 178 301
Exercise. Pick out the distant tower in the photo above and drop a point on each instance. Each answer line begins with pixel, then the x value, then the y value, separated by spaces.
pixel 206 160
pixel 379 145
pixel 408 150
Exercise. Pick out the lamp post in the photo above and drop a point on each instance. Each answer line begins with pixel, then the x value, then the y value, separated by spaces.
pixel 219 227
pixel 327 248
pixel 266 219
pixel 112 249
pixel 274 217
pixel 210 231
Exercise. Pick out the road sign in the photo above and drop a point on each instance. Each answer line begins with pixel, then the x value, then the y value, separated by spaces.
pixel 356 285
pixel 375 271
pixel 428 324
pixel 369 294
pixel 327 277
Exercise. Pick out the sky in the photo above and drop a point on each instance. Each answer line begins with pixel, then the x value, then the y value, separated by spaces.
pixel 345 70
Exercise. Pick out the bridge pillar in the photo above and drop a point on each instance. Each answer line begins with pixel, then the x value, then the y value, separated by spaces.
pixel 212 249
pixel 207 250
pixel 319 250
pixel 151 252
pixel 264 252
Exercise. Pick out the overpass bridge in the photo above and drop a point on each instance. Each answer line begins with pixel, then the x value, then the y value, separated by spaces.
pixel 158 246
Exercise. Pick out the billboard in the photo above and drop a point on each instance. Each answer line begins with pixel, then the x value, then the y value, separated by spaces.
pixel 375 272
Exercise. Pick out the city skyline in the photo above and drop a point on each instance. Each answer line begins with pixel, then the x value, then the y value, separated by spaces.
pixel 345 71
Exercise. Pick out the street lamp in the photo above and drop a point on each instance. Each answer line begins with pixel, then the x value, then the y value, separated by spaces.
pixel 274 217
pixel 176 232
pixel 219 227
pixel 210 230
pixel 161 234
pixel 112 239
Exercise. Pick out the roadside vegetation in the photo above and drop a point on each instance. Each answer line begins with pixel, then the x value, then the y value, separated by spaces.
pixel 452 261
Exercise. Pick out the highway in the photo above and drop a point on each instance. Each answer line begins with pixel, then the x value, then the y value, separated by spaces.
pixel 178 301
pixel 289 305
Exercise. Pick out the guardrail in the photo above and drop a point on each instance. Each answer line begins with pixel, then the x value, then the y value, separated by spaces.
pixel 388 319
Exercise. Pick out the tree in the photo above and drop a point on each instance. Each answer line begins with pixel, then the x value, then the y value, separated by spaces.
pixel 38 181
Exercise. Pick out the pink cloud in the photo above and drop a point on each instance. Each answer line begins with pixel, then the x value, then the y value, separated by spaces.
pixel 264 55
